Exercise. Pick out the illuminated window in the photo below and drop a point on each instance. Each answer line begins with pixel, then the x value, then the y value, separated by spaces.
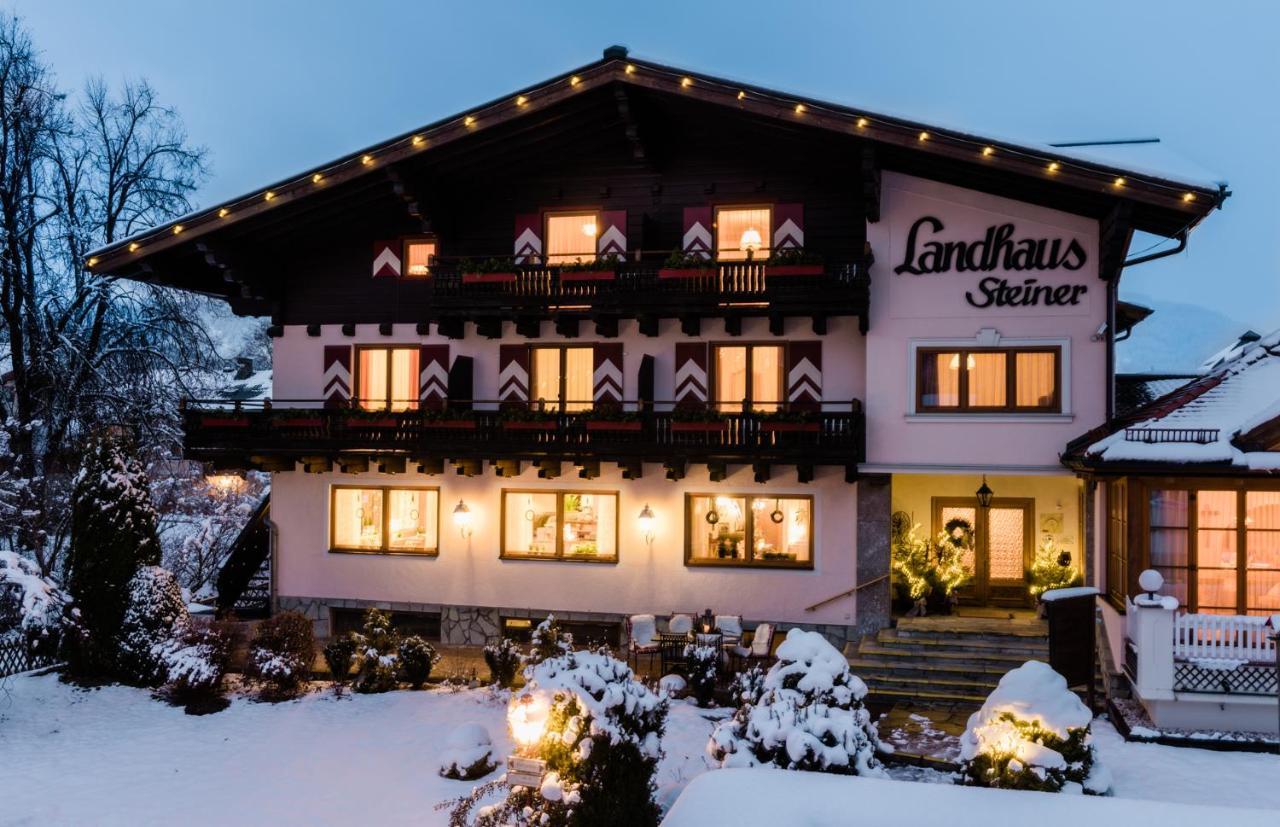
pixel 375 519
pixel 744 530
pixel 563 378
pixel 748 373
pixel 419 255
pixel 571 237
pixel 560 525
pixel 743 232
pixel 989 380
pixel 387 378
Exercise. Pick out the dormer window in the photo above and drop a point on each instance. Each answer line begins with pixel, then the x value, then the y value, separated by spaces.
pixel 743 232
pixel 571 237
pixel 419 255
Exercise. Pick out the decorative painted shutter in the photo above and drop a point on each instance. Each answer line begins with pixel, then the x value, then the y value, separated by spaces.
pixel 804 376
pixel 528 246
pixel 607 378
pixel 461 386
pixel 433 376
pixel 691 373
pixel 612 240
pixel 513 374
pixel 337 375
pixel 788 226
pixel 644 382
pixel 386 258
pixel 697 232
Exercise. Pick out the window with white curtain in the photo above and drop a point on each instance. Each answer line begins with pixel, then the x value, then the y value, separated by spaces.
pixel 383 519
pixel 563 378
pixel 989 380
pixel 571 237
pixel 743 232
pixel 750 374
pixel 387 378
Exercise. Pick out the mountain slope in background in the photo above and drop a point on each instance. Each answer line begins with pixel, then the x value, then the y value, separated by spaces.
pixel 1176 338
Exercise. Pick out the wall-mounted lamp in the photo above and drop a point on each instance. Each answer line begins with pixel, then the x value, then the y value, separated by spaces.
pixel 985 493
pixel 646 522
pixel 462 519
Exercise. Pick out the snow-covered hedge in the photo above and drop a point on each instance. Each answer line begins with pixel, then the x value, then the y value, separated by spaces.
pixel 1032 734
pixel 809 715
pixel 31 606
pixel 195 661
pixel 281 654
pixel 156 613
pixel 503 659
pixel 703 665
pixel 468 754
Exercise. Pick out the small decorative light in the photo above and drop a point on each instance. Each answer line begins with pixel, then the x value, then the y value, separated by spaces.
pixel 1189 197
pixel 631 70
pixel 646 522
pixel 268 196
pixel 985 493
pixel 224 212
pixel 988 151
pixel 751 240
pixel 317 178
pixel 1151 581
pixel 469 121
pixel 742 95
pixel 862 123
pixel 575 80
pixel 924 136
pixel 133 248
pixel 799 108
pixel 418 140
pixel 589 229
pixel 366 160
pixel 527 718
pixel 1054 166
pixel 1119 182
pixel 93 262
pixel 521 100
pixel 177 228
pixel 686 82
pixel 462 519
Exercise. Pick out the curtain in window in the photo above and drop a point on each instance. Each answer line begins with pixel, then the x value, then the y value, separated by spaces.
pixel 546 377
pixel 571 237
pixel 412 519
pixel 731 378
pixel 940 380
pixel 579 370
pixel 372 369
pixel 1036 377
pixel 1216 555
pixel 404 379
pixel 740 230
pixel 987 380
pixel 530 523
pixel 766 378
pixel 1169 541
pixel 357 518
pixel 1262 521
pixel 420 255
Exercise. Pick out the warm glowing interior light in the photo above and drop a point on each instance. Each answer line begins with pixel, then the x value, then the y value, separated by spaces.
pixel 177 228
pixel 1119 182
pixel 133 248
pixel 589 229
pixel 924 136
pixel 224 212
pixel 686 82
pixel 527 719
pixel 224 483
pixel 799 108
pixel 1054 166
pixel 1189 197
pixel 970 362
pixel 750 239
pixel 988 151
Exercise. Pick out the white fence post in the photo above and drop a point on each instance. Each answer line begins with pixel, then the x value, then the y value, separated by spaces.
pixel 1152 635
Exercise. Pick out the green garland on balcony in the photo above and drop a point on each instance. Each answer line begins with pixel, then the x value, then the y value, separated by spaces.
pixel 793 255
pixel 499 264
pixel 680 260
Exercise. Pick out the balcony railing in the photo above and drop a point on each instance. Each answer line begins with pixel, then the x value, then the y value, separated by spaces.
pixel 234 433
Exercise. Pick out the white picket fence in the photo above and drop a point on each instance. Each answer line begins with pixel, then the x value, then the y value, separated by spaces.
pixel 1223 637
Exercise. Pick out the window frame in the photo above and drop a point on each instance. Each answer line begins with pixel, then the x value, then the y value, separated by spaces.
pixel 1010 352
pixel 385 550
pixel 424 238
pixel 598 215
pixel 748 404
pixel 560 402
pixel 748 562
pixel 766 246
pixel 559 556
pixel 356 379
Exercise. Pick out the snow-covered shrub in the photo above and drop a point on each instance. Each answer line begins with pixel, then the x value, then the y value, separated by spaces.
pixel 748 686
pixel 113 534
pixel 31 606
pixel 548 641
pixel 281 653
pixel 377 654
pixel 339 654
pixel 702 665
pixel 417 657
pixel 600 732
pixel 195 660
pixel 672 685
pixel 155 614
pixel 503 659
pixel 1032 734
pixel 809 715
pixel 468 754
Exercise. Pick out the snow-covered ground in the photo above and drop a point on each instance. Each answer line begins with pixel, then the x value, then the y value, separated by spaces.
pixel 117 756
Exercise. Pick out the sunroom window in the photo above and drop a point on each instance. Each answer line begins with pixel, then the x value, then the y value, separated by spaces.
pixel 743 232
pixel 571 237
pixel 560 525
pixel 380 519
pixel 1023 380
pixel 747 530
pixel 387 378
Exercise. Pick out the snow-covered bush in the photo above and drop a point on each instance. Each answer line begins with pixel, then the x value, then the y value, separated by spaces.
pixel 113 534
pixel 503 659
pixel 31 606
pixel 468 754
pixel 703 662
pixel 548 641
pixel 748 686
pixel 339 654
pixel 281 654
pixel 195 660
pixel 1032 734
pixel 156 613
pixel 417 657
pixel 672 685
pixel 600 732
pixel 377 654
pixel 809 715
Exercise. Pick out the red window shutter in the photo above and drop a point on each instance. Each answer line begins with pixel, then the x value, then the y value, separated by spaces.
pixel 386 258
pixel 804 376
pixel 607 378
pixel 788 226
pixel 697 232
pixel 337 375
pixel 433 376
pixel 528 245
pixel 513 374
pixel 691 374
pixel 612 240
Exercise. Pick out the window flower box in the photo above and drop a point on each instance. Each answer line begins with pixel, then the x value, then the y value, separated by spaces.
pixel 300 422
pixel 530 425
pixel 684 272
pixel 489 278
pixel 224 421
pixel 452 424
pixel 794 270
pixel 579 276
pixel 699 427
pixel 790 427
pixel 614 425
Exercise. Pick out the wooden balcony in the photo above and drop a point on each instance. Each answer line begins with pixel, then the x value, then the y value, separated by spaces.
pixel 275 436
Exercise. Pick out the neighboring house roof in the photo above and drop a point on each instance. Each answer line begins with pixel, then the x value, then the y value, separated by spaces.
pixel 1128 315
pixel 1227 419
pixel 252 388
pixel 1163 202
pixel 1134 390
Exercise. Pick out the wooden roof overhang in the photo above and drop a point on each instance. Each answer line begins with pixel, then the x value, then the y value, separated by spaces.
pixel 205 251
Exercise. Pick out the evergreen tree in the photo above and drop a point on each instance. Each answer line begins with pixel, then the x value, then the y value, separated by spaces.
pixel 113 534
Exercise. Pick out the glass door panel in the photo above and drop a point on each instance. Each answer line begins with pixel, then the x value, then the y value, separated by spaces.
pixel 1006 543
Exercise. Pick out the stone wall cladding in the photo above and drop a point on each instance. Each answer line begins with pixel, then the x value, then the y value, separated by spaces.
pixel 873 603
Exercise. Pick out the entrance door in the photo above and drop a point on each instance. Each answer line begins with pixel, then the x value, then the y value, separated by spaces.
pixel 1002 547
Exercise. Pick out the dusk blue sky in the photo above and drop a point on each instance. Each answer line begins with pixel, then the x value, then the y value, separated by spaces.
pixel 272 88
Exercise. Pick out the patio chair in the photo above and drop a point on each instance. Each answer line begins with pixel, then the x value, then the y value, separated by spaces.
pixel 680 624
pixel 730 627
pixel 760 651
pixel 642 639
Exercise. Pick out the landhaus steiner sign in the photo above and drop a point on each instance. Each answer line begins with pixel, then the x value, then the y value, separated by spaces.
pixel 997 250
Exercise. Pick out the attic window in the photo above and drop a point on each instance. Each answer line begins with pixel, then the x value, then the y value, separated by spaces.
pixel 571 237
pixel 743 232
pixel 419 255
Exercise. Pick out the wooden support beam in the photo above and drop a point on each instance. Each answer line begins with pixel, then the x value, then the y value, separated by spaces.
pixel 607 326
pixel 275 331
pixel 632 469
pixel 691 324
pixel 648 325
pixel 391 464
pixel 548 469
pixel 385 328
pixel 675 469
pixel 820 325
pixel 452 327
pixel 423 328
pixel 761 471
pixel 317 465
pixel 489 328
pixel 348 329
pixel 733 325
pixel 353 464
pixel 507 467
pixel 804 473
pixel 469 467
pixel 588 469
pixel 272 462
pixel 777 324
pixel 530 328
pixel 567 326
pixel 313 330
pixel 431 465
pixel 717 470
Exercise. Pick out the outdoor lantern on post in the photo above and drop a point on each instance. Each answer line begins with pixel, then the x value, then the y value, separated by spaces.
pixel 462 519
pixel 646 521
pixel 985 493
pixel 708 621
pixel 527 720
pixel 1150 581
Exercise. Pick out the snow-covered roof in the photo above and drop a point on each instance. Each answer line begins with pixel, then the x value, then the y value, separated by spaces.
pixel 1203 422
